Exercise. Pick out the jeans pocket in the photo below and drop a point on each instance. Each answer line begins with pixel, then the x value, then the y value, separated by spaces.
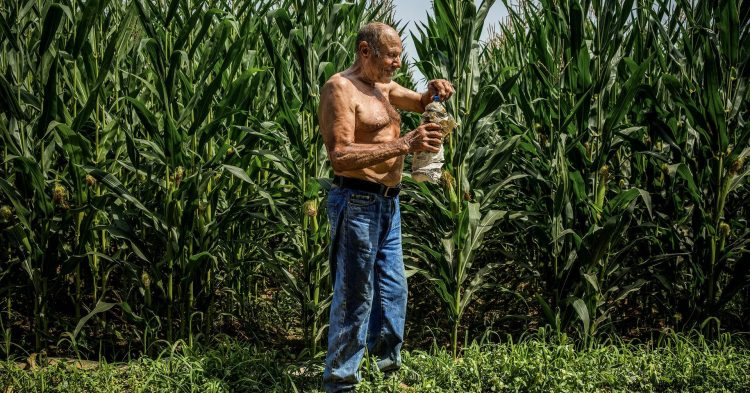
pixel 361 199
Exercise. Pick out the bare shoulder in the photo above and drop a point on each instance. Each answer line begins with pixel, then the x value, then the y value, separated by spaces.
pixel 336 99
pixel 337 85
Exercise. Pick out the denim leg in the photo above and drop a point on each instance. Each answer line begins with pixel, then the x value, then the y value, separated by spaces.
pixel 386 328
pixel 354 239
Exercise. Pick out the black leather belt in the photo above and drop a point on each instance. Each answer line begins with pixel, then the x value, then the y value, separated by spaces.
pixel 369 186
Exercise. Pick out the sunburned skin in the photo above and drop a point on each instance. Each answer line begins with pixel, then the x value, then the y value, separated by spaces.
pixel 358 117
pixel 379 152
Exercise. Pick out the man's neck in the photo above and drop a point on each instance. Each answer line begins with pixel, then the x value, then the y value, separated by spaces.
pixel 358 71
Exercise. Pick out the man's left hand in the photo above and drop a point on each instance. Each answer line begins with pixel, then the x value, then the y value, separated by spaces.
pixel 441 88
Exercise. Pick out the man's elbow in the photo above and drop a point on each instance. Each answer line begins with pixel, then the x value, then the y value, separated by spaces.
pixel 337 166
pixel 338 161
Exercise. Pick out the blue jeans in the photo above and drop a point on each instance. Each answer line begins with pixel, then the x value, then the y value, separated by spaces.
pixel 369 290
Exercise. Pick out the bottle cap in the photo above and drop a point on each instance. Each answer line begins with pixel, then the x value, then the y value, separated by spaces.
pixel 436 98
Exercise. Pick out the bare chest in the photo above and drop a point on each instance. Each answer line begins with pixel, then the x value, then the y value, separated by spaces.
pixel 374 115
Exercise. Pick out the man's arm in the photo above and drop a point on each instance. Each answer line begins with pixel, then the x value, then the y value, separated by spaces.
pixel 337 122
pixel 408 100
pixel 405 99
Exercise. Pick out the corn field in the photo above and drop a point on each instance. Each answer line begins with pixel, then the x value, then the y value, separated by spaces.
pixel 163 177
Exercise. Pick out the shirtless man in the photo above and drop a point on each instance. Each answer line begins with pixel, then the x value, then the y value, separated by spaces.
pixel 361 130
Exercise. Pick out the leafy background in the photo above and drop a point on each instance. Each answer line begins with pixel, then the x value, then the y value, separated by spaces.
pixel 163 177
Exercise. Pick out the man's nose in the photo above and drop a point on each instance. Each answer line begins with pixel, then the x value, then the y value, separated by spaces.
pixel 397 62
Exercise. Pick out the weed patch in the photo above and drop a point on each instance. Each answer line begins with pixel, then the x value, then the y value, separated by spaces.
pixel 537 364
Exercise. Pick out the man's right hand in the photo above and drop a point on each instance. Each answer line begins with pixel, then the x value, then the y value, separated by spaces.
pixel 427 137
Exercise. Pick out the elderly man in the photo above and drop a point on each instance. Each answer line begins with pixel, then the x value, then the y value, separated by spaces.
pixel 361 130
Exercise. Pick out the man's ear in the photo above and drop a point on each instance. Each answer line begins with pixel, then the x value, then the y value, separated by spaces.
pixel 364 49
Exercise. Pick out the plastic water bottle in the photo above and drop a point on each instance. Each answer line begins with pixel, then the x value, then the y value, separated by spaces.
pixel 428 166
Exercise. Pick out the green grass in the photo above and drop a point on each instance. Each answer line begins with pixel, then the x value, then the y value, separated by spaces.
pixel 538 364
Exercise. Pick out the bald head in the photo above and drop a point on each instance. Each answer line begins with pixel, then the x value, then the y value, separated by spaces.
pixel 373 33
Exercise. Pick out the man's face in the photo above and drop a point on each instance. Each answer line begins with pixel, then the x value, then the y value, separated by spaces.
pixel 382 67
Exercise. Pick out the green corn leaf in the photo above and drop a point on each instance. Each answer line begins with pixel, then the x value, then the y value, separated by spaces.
pixel 75 144
pixel 92 10
pixel 583 313
pixel 105 68
pixel 717 126
pixel 208 94
pixel 7 33
pixel 119 190
pixel 171 12
pixel 8 100
pixel 16 200
pixel 187 30
pixel 624 101
pixel 98 309
pixel 729 30
pixel 122 230
pixel 624 198
pixel 52 19
pixel 147 118
pixel 238 172
pixel 205 25
pixel 591 278
pixel 547 311
pixel 684 172
pixel 50 105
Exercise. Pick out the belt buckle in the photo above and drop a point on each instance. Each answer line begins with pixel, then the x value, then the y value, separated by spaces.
pixel 388 190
